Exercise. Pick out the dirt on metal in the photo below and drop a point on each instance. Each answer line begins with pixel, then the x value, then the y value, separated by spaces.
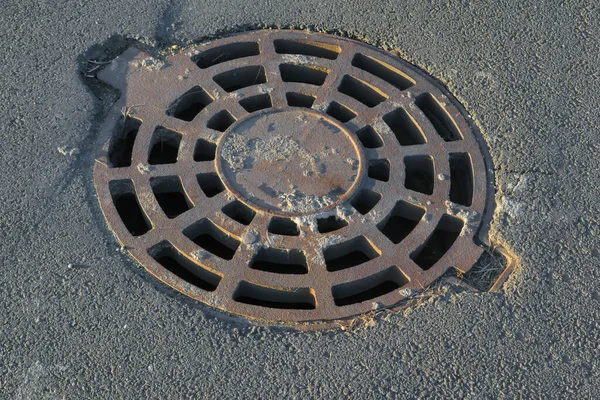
pixel 291 177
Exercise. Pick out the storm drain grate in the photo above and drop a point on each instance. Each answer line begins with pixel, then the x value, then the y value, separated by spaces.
pixel 288 176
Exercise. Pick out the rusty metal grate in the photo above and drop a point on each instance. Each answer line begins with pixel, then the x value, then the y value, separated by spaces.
pixel 289 177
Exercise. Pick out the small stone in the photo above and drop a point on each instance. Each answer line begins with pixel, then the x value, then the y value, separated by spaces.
pixel 144 168
pixel 200 255
pixel 250 237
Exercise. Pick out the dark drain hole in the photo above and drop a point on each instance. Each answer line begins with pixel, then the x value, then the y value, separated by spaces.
pixel 419 174
pixel 404 127
pixel 365 201
pixel 307 48
pixel 330 224
pixel 220 121
pixel 204 150
pixel 383 71
pixel 121 144
pixel 340 112
pixel 170 195
pixel 368 288
pixel 438 243
pixel 349 254
pixel 225 53
pixel 241 77
pixel 283 226
pixel 239 212
pixel 176 263
pixel 303 74
pixel 129 209
pixel 461 179
pixel 369 95
pixel 255 103
pixel 212 239
pixel 299 99
pixel 439 117
pixel 401 221
pixel 189 104
pixel 483 275
pixel 379 170
pixel 294 299
pixel 280 261
pixel 369 137
pixel 210 183
pixel 164 146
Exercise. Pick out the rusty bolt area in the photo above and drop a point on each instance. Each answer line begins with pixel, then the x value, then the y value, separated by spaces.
pixel 290 177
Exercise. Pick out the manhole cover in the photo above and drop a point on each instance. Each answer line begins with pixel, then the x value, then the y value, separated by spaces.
pixel 288 176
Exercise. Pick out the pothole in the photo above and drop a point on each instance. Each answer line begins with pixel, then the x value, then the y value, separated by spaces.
pixel 291 177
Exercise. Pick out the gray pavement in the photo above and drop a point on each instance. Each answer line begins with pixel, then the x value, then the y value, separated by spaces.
pixel 81 320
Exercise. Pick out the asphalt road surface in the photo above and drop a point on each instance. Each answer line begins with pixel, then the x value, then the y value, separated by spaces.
pixel 81 320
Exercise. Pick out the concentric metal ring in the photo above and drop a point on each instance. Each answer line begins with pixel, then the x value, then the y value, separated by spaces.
pixel 288 176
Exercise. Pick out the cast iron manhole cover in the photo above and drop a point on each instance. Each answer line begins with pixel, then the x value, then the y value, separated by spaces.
pixel 288 176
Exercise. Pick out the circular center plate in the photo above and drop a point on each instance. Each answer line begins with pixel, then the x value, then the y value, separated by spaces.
pixel 289 161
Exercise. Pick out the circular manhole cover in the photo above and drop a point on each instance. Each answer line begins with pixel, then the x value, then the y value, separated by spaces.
pixel 288 176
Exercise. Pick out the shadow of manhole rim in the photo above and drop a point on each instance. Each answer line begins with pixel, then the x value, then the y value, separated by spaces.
pixel 291 177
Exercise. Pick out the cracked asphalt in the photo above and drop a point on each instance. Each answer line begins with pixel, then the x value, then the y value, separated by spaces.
pixel 81 320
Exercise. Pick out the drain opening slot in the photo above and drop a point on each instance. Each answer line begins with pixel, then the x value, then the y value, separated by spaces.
pixel 379 170
pixel 189 104
pixel 121 143
pixel 340 112
pixel 369 137
pixel 369 288
pixel 330 224
pixel 239 212
pixel 170 195
pixel 210 183
pixel 293 299
pixel 307 48
pixel 401 221
pixel 365 200
pixel 226 53
pixel 404 127
pixel 283 226
pixel 461 179
pixel 239 78
pixel 212 239
pixel 303 74
pixel 438 243
pixel 367 94
pixel 299 99
pixel 126 202
pixel 280 261
pixel 166 255
pixel 383 71
pixel 204 150
pixel 349 254
pixel 419 174
pixel 255 103
pixel 164 146
pixel 442 122
pixel 220 121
